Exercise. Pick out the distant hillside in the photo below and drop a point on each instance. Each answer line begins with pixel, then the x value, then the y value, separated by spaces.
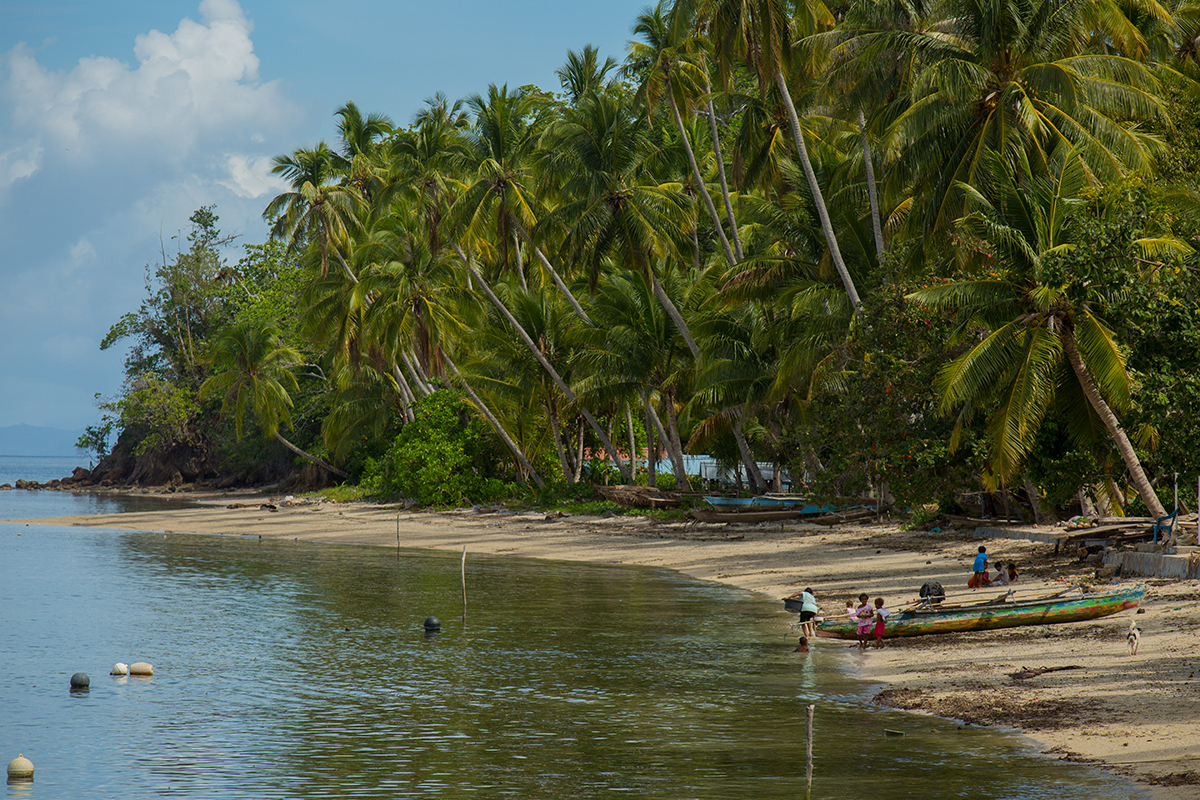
pixel 28 440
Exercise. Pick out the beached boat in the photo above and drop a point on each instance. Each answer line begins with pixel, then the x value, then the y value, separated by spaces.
pixel 766 503
pixel 1006 611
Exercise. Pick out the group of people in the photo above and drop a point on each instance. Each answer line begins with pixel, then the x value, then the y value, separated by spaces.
pixel 1006 574
pixel 871 620
pixel 869 617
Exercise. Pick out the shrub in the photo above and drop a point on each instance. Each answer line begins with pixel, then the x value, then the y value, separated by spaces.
pixel 446 456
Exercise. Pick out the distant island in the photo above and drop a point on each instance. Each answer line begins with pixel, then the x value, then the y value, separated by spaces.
pixel 31 440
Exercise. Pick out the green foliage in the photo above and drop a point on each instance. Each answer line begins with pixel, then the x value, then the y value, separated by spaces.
pixel 94 439
pixel 881 424
pixel 446 456
pixel 158 412
pixel 184 306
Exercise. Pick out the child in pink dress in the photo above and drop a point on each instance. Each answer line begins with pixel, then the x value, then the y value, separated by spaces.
pixel 865 615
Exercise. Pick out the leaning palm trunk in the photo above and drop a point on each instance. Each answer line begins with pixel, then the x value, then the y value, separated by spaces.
pixel 700 187
pixel 835 252
pixel 309 457
pixel 681 476
pixel 604 438
pixel 415 373
pixel 872 194
pixel 633 445
pixel 562 286
pixel 716 137
pixel 753 473
pixel 1035 501
pixel 673 312
pixel 406 393
pixel 563 461
pixel 1140 481
pixel 495 423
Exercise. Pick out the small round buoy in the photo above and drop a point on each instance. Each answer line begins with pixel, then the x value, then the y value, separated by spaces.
pixel 120 669
pixel 141 668
pixel 80 681
pixel 433 624
pixel 20 769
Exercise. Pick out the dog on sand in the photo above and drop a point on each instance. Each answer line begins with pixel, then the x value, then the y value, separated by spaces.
pixel 1133 636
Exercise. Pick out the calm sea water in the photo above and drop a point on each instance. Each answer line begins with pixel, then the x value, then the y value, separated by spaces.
pixel 295 670
pixel 38 468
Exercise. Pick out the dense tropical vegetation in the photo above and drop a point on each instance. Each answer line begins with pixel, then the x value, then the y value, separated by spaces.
pixel 915 248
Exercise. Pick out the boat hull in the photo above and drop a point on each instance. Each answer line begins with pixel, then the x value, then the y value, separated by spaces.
pixel 995 616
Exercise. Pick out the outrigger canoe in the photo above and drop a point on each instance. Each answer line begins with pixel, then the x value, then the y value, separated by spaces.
pixel 1006 611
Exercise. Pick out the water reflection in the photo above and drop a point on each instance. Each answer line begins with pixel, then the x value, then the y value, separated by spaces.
pixel 286 669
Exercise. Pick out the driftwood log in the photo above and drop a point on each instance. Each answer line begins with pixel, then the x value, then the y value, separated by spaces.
pixel 1027 673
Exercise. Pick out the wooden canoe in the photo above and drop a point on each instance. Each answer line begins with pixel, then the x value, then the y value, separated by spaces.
pixel 1007 611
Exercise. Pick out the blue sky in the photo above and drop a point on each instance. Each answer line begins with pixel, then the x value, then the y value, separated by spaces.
pixel 120 118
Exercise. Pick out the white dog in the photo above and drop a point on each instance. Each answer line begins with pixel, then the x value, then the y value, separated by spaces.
pixel 1134 635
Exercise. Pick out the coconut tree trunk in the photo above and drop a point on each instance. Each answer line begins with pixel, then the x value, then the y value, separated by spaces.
pixel 562 286
pixel 683 480
pixel 546 365
pixel 872 194
pixel 632 443
pixel 406 393
pixel 495 423
pixel 700 187
pixel 651 446
pixel 1138 476
pixel 753 473
pixel 579 449
pixel 835 252
pixel 673 312
pixel 563 461
pixel 415 372
pixel 310 458
pixel 716 137
pixel 1040 515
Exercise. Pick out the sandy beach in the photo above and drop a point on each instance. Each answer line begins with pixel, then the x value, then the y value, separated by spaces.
pixel 1134 715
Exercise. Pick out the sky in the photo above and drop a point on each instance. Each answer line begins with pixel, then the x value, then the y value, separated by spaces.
pixel 120 118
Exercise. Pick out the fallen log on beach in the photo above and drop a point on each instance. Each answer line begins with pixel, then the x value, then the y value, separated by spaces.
pixel 1027 673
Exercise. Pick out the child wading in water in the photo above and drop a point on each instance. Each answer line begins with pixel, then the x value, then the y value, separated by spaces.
pixel 865 615
pixel 880 617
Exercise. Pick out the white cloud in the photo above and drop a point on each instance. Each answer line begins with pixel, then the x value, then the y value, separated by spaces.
pixel 250 176
pixel 188 88
pixel 19 162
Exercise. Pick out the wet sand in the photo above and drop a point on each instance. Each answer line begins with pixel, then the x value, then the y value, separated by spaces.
pixel 1134 715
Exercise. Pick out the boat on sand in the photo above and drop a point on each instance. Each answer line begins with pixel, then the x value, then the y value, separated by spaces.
pixel 928 616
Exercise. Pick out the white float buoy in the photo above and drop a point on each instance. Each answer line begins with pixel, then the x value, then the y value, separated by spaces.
pixel 141 668
pixel 120 669
pixel 20 769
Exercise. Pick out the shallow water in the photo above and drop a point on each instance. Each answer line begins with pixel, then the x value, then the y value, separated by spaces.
pixel 289 669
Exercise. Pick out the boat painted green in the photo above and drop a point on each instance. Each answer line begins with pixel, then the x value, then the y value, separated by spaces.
pixel 1006 611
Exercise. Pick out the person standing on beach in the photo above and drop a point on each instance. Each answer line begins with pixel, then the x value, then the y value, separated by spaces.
pixel 979 579
pixel 865 615
pixel 808 610
pixel 881 614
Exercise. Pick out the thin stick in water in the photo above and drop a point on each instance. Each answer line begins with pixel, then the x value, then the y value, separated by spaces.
pixel 808 785
pixel 464 583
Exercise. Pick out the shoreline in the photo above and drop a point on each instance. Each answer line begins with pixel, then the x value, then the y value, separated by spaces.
pixel 1132 715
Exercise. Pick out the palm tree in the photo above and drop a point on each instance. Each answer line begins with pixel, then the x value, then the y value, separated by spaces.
pixel 498 198
pixel 666 71
pixel 613 207
pixel 1036 316
pixel 584 73
pixel 316 209
pixel 758 32
pixel 1016 78
pixel 252 371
